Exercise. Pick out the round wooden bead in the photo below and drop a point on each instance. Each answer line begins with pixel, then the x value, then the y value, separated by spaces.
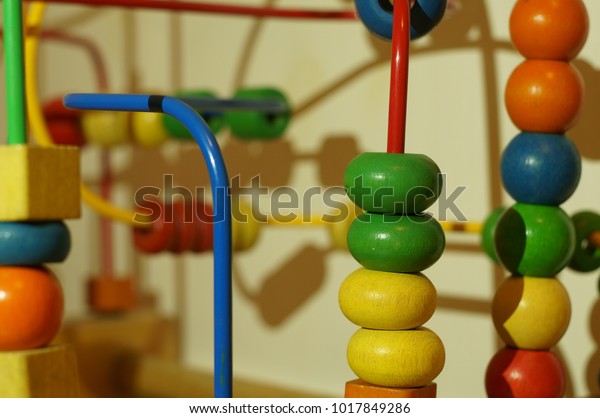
pixel 488 231
pixel 393 183
pixel 148 129
pixel 64 124
pixel 214 120
pixel 181 214
pixel 544 96
pixel 245 228
pixel 542 169
pixel 338 227
pixel 532 313
pixel 33 243
pixel 514 373
pixel 105 129
pixel 401 244
pixel 387 301
pixel 159 235
pixel 534 240
pixel 586 257
pixel 378 16
pixel 203 222
pixel 31 307
pixel 249 124
pixel 551 30
pixel 396 358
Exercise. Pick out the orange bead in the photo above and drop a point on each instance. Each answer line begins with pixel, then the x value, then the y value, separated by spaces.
pixel 549 29
pixel 544 96
pixel 31 307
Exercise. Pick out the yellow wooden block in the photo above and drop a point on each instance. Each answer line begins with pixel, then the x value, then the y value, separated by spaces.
pixel 39 183
pixel 49 372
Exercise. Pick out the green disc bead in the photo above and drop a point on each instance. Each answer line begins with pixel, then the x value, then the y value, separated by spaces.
pixel 534 240
pixel 393 183
pixel 586 257
pixel 257 125
pixel 214 120
pixel 396 243
pixel 487 234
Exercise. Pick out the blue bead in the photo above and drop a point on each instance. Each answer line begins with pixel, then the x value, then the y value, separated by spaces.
pixel 540 169
pixel 33 243
pixel 377 16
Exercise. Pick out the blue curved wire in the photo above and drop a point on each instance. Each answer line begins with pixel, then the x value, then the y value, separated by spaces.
pixel 221 202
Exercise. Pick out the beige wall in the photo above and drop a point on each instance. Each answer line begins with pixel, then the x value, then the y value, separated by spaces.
pixel 448 120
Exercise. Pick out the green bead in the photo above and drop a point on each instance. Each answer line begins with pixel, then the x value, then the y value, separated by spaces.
pixel 534 240
pixel 487 234
pixel 396 243
pixel 585 258
pixel 393 183
pixel 254 124
pixel 214 120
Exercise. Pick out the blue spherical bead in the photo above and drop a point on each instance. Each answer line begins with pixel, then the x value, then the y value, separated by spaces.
pixel 378 16
pixel 540 169
pixel 33 243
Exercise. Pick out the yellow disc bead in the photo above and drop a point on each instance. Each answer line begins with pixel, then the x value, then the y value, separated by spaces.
pixel 396 358
pixel 531 313
pixel 148 128
pixel 105 129
pixel 387 301
pixel 245 228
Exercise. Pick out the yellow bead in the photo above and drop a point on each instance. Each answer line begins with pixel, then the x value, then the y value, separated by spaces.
pixel 39 183
pixel 105 129
pixel 148 128
pixel 387 301
pixel 396 358
pixel 531 313
pixel 245 228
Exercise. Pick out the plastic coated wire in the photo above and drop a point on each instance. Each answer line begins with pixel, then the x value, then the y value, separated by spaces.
pixel 14 70
pixel 399 77
pixel 221 204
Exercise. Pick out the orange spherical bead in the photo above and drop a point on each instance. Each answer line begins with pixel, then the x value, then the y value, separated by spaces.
pixel 31 307
pixel 549 29
pixel 544 96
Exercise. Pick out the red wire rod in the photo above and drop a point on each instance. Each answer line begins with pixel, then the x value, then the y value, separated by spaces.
pixel 218 8
pixel 399 77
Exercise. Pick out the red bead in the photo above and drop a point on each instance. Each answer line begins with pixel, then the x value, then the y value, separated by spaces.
pixel 182 215
pixel 63 124
pixel 203 240
pixel 544 96
pixel 159 235
pixel 515 373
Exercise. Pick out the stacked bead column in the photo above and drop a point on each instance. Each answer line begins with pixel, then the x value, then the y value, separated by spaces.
pixel 540 168
pixel 394 240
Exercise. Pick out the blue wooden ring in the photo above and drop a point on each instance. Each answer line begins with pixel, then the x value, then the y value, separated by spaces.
pixel 378 16
pixel 33 243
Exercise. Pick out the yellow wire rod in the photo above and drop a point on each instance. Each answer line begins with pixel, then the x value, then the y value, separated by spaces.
pixel 38 125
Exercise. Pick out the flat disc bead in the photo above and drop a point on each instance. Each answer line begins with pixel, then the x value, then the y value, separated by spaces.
pixel 378 16
pixel 534 240
pixel 33 243
pixel 531 312
pixel 542 169
pixel 544 96
pixel 396 243
pixel 586 257
pixel 549 29
pixel 381 182
pixel 387 301
pixel 514 373
pixel 396 358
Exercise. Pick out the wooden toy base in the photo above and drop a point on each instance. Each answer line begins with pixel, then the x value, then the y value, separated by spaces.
pixel 49 372
pixel 361 389
pixel 39 183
